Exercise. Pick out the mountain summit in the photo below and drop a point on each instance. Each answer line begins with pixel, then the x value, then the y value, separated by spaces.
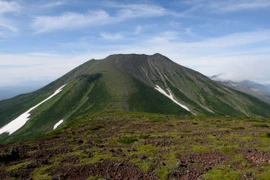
pixel 128 82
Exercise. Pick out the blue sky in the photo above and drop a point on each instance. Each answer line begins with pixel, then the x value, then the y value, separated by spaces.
pixel 41 40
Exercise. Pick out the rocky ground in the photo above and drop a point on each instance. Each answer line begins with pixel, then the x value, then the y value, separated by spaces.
pixel 123 145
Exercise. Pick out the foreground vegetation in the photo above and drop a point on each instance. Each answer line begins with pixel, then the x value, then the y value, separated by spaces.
pixel 117 145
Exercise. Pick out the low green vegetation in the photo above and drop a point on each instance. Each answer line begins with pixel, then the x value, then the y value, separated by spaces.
pixel 95 128
pixel 125 142
pixel 261 125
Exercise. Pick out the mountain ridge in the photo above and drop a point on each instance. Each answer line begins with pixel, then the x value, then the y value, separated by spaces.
pixel 126 82
pixel 257 90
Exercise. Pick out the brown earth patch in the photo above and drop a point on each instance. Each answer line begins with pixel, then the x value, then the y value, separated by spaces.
pixel 256 156
pixel 106 169
pixel 193 166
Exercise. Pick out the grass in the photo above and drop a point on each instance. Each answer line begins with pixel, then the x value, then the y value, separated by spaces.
pixel 238 128
pixel 225 174
pixel 127 140
pixel 40 173
pixel 261 125
pixel 147 99
pixel 144 165
pixel 17 166
pixel 132 137
pixel 187 131
pixel 95 128
pixel 162 172
pixel 64 105
pixel 143 136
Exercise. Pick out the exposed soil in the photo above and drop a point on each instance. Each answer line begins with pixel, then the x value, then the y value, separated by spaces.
pixel 120 145
pixel 193 166
pixel 256 156
pixel 107 170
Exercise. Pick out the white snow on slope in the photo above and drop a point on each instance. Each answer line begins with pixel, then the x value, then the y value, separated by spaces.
pixel 171 97
pixel 57 124
pixel 254 89
pixel 23 118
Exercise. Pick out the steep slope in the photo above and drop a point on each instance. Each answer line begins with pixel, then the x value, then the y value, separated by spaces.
pixel 125 82
pixel 259 91
pixel 195 90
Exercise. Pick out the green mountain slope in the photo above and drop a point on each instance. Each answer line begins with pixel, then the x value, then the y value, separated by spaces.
pixel 126 82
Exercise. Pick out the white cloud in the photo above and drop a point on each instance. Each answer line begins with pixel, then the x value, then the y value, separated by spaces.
pixel 139 10
pixel 220 6
pixel 7 30
pixel 113 37
pixel 209 56
pixel 72 20
pixel 236 39
pixel 233 67
pixel 69 21
pixel 231 6
pixel 174 24
pixel 142 29
pixel 164 37
pixel 138 30
pixel 8 27
pixel 9 7
pixel 2 35
pixel 36 66
pixel 53 4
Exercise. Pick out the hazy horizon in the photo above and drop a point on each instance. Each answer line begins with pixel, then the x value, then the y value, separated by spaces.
pixel 42 40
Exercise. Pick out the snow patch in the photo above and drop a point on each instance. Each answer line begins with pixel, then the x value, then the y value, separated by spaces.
pixel 57 124
pixel 20 121
pixel 171 97
pixel 254 89
pixel 233 84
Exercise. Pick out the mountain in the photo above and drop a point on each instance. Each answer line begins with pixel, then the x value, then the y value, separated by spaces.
pixel 259 91
pixel 254 85
pixel 128 82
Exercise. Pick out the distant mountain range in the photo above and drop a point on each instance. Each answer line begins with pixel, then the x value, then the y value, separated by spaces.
pixel 129 82
pixel 257 90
